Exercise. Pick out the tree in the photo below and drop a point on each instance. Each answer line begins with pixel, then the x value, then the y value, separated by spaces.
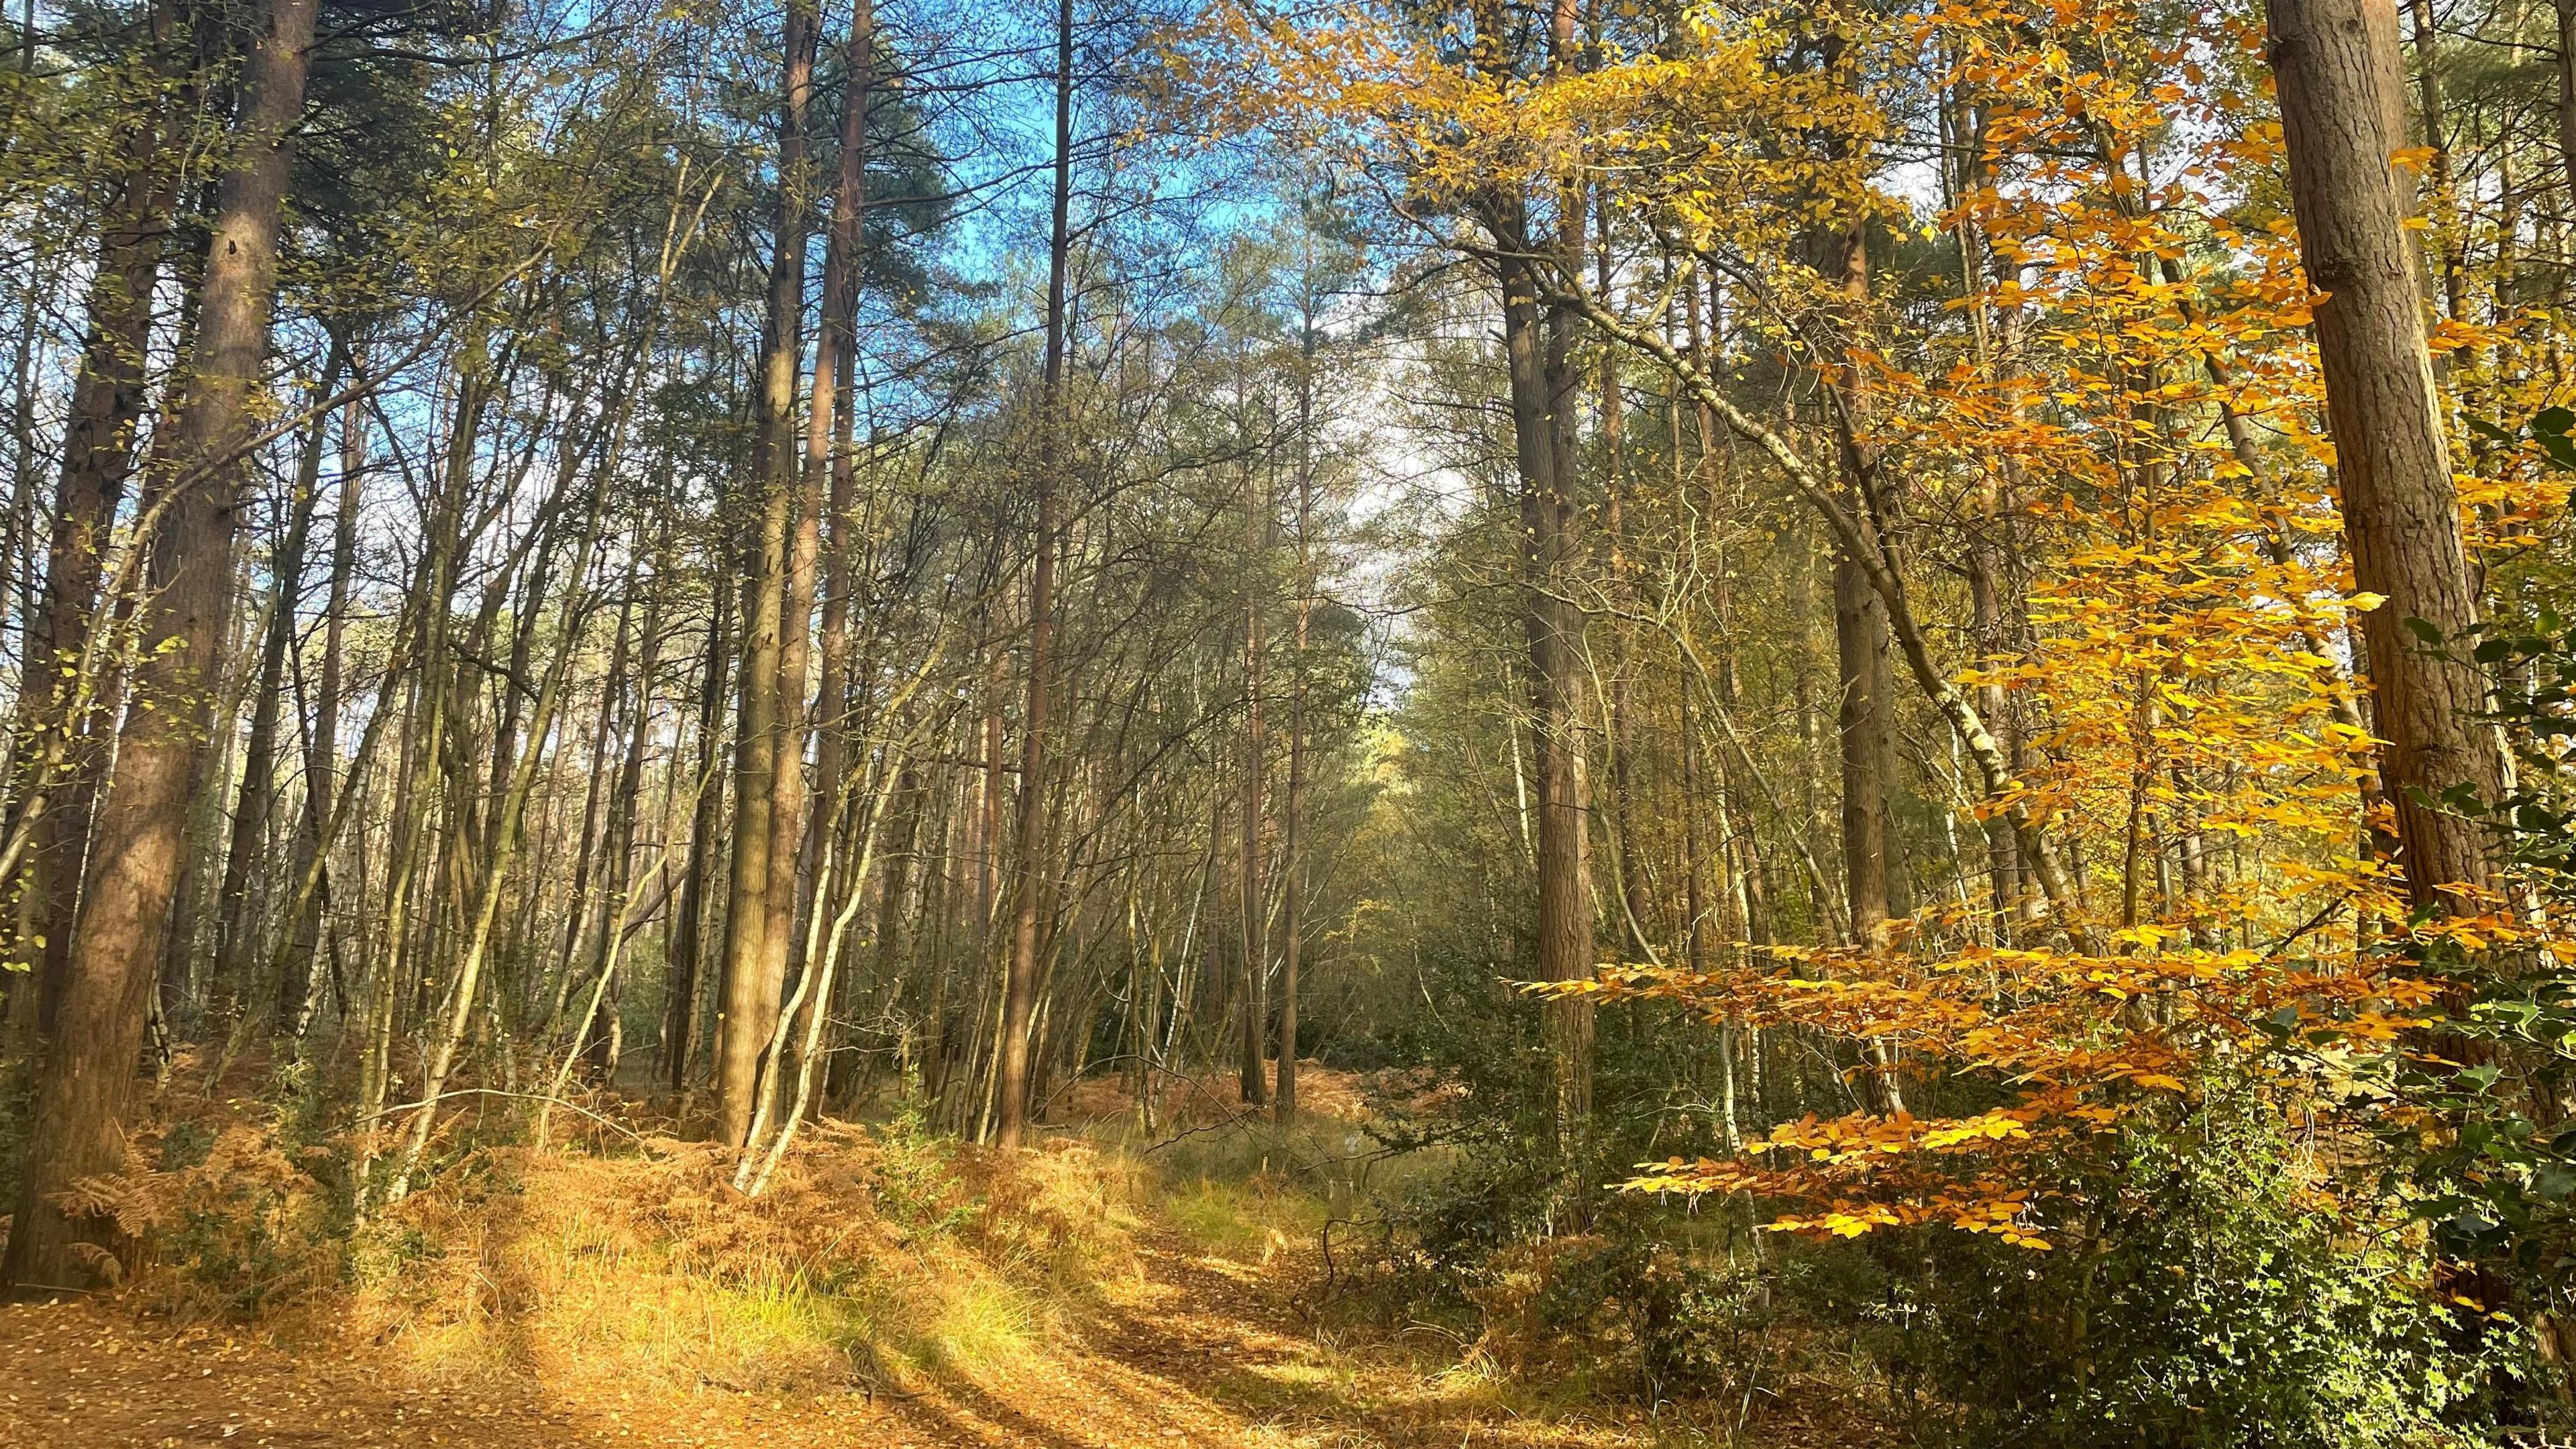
pixel 1031 873
pixel 769 772
pixel 192 501
pixel 2343 105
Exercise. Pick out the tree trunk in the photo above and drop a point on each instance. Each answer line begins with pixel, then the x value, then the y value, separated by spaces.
pixel 2342 90
pixel 763 881
pixel 688 926
pixel 1628 860
pixel 1292 864
pixel 60 756
pixel 597 1033
pixel 2565 65
pixel 257 799
pixel 1020 985
pixel 80 1106
pixel 322 762
pixel 1254 898
pixel 1553 626
pixel 507 831
pixel 828 433
pixel 1868 749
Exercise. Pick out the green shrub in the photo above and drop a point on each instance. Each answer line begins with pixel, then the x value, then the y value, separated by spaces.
pixel 2210 1296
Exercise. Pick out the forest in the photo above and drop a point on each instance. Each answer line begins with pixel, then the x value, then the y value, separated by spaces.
pixel 1332 723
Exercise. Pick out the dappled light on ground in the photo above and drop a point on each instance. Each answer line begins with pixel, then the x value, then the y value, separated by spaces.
pixel 1192 1350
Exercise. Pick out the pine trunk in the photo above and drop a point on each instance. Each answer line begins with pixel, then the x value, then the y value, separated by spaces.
pixel 82 1101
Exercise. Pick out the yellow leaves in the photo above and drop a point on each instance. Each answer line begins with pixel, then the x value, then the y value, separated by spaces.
pixel 2378 1026
pixel 1989 1127
pixel 1852 1225
pixel 2032 1021
pixel 2410 992
pixel 2180 685
pixel 2001 1217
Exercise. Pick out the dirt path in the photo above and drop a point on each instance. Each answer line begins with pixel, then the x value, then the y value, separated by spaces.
pixel 1197 1351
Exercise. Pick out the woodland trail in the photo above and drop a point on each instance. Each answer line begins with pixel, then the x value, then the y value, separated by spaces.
pixel 1192 1351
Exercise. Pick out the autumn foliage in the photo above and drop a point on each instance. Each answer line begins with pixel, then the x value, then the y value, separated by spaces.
pixel 2093 385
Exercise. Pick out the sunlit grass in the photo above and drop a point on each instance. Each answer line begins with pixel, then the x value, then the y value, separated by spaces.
pixel 1247 1221
pixel 887 1258
pixel 639 1271
pixel 980 1330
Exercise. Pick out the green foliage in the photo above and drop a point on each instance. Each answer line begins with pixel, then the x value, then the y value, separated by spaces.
pixel 2214 1299
pixel 1517 1237
pixel 1631 1314
pixel 2474 1130
pixel 2549 430
pixel 914 1181
pixel 2497 1187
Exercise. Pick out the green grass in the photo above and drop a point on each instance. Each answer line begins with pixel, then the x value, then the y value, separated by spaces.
pixel 1244 1220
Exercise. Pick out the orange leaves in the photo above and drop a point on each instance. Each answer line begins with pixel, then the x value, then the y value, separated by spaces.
pixel 2379 1026
pixel 1859 1138
pixel 2000 1216
pixel 2073 1046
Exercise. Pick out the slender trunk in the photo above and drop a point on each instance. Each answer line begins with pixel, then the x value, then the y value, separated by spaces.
pixel 828 441
pixel 2453 262
pixel 688 927
pixel 1628 860
pixel 763 882
pixel 322 760
pixel 506 834
pixel 1255 901
pixel 2564 62
pixel 1695 905
pixel 1553 626
pixel 1292 864
pixel 1020 986
pixel 1886 566
pixel 588 855
pixel 424 739
pixel 258 794
pixel 618 850
pixel 1867 718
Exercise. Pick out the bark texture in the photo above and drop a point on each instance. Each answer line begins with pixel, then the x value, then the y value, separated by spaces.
pixel 78 1127
pixel 2342 89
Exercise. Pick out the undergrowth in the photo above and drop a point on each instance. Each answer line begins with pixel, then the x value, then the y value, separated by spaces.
pixel 886 1258
pixel 879 1256
pixel 876 1257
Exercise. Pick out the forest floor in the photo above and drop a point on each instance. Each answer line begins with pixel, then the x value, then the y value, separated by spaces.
pixel 888 1292
pixel 1197 1350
